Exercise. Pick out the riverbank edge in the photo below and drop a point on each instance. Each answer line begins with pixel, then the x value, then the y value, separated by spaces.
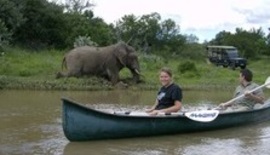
pixel 93 84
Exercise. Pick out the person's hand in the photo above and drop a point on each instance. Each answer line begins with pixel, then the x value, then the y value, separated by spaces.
pixel 223 106
pixel 154 112
pixel 149 110
pixel 248 94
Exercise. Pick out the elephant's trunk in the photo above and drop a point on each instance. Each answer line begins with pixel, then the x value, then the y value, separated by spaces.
pixel 136 75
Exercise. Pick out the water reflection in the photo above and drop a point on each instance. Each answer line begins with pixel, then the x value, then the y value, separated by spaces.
pixel 31 124
pixel 222 142
pixel 239 140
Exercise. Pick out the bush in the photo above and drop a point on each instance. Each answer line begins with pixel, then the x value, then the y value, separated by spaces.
pixel 188 68
pixel 5 36
pixel 84 41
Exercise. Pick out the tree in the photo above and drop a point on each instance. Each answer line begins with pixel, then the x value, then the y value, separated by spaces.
pixel 267 52
pixel 11 14
pixel 222 38
pixel 11 18
pixel 170 36
pixel 127 28
pixel 149 31
pixel 192 39
pixel 250 43
pixel 5 35
pixel 43 27
pixel 87 25
pixel 138 31
pixel 78 6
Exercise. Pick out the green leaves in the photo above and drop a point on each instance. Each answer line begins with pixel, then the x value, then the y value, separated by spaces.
pixel 250 43
pixel 84 41
pixel 149 33
pixel 5 35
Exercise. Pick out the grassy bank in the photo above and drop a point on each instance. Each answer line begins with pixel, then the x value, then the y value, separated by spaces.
pixel 32 70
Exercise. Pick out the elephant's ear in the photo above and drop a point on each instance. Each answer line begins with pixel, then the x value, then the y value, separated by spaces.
pixel 121 55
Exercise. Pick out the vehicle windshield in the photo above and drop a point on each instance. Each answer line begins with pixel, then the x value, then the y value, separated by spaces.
pixel 232 53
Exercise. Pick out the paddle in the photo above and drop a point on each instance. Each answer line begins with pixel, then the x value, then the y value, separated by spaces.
pixel 266 84
pixel 200 115
pixel 210 115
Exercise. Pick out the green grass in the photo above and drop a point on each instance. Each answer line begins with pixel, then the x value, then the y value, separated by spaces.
pixel 27 64
pixel 22 69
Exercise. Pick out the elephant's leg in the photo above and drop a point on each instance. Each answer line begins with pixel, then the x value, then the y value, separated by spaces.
pixel 59 75
pixel 135 76
pixel 74 70
pixel 68 74
pixel 62 74
pixel 105 75
pixel 74 74
pixel 113 76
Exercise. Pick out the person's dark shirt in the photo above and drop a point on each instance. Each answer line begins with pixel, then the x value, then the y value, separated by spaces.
pixel 167 95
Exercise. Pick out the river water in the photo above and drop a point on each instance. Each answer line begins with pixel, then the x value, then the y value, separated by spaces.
pixel 30 123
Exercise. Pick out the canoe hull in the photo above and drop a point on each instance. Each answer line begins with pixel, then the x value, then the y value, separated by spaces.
pixel 81 123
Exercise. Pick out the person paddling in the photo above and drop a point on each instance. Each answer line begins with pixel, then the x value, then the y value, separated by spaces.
pixel 250 98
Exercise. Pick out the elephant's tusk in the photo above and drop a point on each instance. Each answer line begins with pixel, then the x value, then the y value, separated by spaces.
pixel 136 71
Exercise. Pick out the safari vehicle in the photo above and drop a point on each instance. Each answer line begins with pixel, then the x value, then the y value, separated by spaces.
pixel 226 56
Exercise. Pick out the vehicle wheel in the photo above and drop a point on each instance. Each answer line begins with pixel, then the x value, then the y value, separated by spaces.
pixel 243 67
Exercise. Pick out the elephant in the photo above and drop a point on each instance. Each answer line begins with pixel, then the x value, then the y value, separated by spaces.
pixel 104 62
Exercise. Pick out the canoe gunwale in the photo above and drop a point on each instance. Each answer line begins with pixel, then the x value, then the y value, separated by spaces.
pixel 180 114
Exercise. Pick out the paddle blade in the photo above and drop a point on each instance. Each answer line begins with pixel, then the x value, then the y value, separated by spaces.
pixel 202 115
pixel 267 82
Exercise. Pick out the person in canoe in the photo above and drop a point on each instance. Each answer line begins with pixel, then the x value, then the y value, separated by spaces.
pixel 250 99
pixel 169 97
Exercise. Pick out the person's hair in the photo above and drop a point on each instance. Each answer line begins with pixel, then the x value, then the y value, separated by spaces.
pixel 247 74
pixel 166 70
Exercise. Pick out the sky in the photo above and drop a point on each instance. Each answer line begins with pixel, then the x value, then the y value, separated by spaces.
pixel 203 18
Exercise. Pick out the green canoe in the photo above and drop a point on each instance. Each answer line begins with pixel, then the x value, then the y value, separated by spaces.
pixel 81 123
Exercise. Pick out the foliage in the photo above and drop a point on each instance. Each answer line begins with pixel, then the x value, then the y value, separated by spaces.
pixel 44 24
pixel 151 35
pixel 21 69
pixel 151 62
pixel 39 24
pixel 11 14
pixel 193 51
pixel 84 41
pixel 86 25
pixel 78 6
pixel 189 68
pixel 5 36
pixel 10 19
pixel 17 62
pixel 250 43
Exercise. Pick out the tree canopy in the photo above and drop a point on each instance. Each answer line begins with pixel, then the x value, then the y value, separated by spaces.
pixel 39 24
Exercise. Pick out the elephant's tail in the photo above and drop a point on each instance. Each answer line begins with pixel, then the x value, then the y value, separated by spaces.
pixel 64 63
